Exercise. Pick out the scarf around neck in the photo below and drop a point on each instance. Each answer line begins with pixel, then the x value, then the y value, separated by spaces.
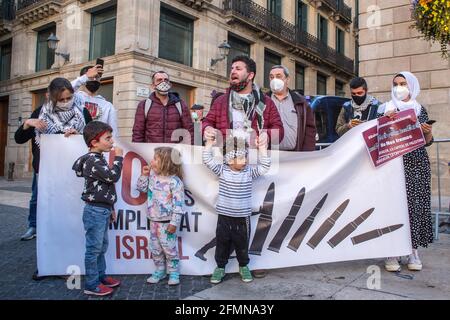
pixel 60 121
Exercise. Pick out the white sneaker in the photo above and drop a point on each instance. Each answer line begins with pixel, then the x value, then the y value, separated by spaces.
pixel 30 234
pixel 414 263
pixel 391 264
pixel 157 276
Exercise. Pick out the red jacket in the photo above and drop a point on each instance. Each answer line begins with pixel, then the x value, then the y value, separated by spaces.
pixel 217 117
pixel 161 121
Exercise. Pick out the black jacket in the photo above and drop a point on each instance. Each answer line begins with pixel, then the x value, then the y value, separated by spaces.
pixel 99 188
pixel 23 136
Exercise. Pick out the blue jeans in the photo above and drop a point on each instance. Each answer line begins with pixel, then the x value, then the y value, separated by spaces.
pixel 96 223
pixel 33 202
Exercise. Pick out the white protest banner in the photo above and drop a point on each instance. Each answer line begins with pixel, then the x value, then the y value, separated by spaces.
pixel 310 201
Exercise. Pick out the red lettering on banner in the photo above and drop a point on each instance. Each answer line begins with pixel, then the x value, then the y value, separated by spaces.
pixel 142 245
pixel 126 180
pixel 180 249
pixel 130 254
pixel 129 247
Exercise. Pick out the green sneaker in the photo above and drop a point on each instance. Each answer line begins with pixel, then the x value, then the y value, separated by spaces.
pixel 245 273
pixel 217 275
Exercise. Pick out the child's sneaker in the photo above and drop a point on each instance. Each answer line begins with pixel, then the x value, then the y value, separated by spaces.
pixel 100 290
pixel 245 273
pixel 174 278
pixel 110 282
pixel 217 275
pixel 157 276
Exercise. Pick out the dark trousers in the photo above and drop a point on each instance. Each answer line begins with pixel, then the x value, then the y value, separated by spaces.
pixel 232 232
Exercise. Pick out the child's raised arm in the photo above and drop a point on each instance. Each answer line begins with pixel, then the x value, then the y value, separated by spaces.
pixel 143 181
pixel 263 165
pixel 208 159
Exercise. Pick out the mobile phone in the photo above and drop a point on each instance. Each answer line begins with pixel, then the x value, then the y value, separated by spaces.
pixel 430 122
pixel 100 61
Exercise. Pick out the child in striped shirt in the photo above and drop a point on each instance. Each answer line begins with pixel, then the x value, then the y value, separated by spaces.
pixel 234 204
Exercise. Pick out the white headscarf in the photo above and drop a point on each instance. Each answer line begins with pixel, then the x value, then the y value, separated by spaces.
pixel 414 90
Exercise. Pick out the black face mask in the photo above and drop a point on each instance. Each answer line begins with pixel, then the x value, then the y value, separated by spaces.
pixel 93 86
pixel 358 99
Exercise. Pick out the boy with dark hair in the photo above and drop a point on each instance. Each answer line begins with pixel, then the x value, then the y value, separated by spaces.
pixel 99 194
pixel 362 107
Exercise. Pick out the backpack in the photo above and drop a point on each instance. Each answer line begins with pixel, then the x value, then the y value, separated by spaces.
pixel 148 105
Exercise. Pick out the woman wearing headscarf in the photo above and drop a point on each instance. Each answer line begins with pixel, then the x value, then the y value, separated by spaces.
pixel 405 89
pixel 58 115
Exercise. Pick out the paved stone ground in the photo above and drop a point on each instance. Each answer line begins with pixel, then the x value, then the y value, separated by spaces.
pixel 18 264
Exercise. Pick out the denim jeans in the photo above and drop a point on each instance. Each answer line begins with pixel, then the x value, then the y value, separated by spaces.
pixel 96 223
pixel 33 202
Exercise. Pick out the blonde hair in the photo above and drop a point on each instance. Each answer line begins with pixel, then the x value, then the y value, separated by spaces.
pixel 170 160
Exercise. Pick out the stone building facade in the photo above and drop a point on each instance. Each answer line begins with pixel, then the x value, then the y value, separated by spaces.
pixel 314 39
pixel 389 45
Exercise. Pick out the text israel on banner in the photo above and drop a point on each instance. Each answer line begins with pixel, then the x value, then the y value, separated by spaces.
pixel 392 138
pixel 312 207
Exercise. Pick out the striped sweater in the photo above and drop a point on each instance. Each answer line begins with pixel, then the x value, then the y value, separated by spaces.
pixel 235 187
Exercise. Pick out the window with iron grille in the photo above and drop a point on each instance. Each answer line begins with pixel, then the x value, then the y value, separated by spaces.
pixel 274 6
pixel 302 15
pixel 44 56
pixel 270 60
pixel 103 33
pixel 300 78
pixel 321 84
pixel 322 29
pixel 339 88
pixel 5 61
pixel 176 34
pixel 340 41
pixel 238 47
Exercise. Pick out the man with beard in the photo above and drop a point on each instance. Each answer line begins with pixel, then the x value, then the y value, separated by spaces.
pixel 243 107
pixel 361 108
pixel 86 95
pixel 160 117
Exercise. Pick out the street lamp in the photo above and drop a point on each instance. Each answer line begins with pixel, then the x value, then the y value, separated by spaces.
pixel 52 43
pixel 224 50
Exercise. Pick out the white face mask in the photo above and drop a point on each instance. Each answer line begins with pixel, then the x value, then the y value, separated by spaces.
pixel 276 85
pixel 64 106
pixel 401 92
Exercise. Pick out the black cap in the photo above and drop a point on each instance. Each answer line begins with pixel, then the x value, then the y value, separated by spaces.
pixel 197 107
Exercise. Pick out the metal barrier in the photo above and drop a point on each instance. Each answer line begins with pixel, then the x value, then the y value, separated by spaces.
pixel 322 145
pixel 437 142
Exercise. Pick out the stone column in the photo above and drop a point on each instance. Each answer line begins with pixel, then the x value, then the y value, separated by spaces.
pixel 257 54
pixel 310 81
pixel 137 27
